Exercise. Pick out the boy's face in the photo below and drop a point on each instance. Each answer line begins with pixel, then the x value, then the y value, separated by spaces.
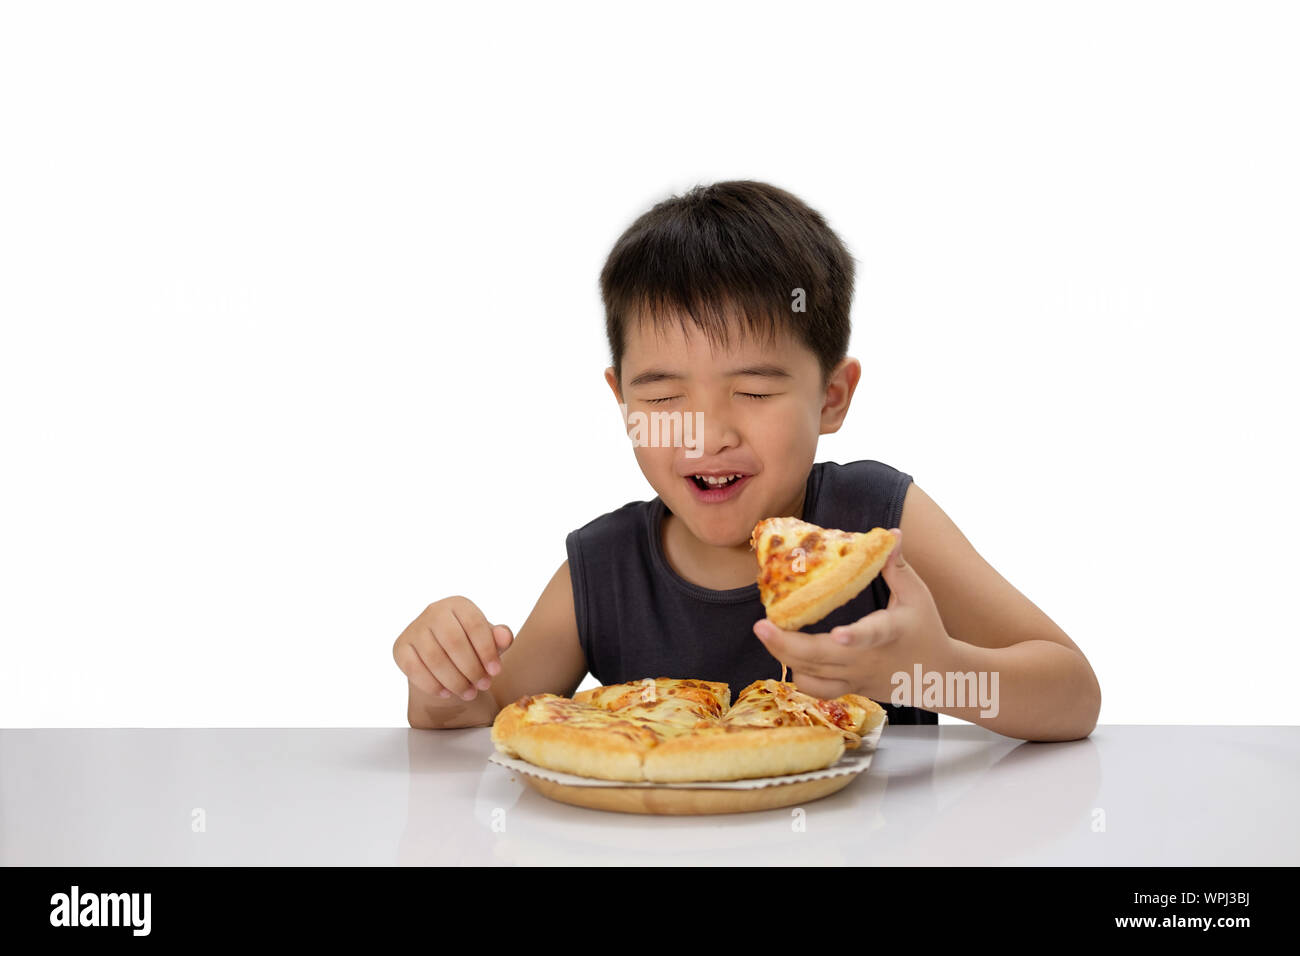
pixel 721 427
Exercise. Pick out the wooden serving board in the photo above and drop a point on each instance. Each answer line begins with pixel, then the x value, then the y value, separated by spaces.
pixel 684 801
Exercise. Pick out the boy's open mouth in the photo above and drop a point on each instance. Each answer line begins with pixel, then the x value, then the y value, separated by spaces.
pixel 716 489
pixel 708 484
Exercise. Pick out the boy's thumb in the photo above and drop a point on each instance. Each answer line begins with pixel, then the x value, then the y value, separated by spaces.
pixel 898 573
pixel 896 556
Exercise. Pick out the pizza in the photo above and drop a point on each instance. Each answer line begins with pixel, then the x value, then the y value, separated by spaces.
pixel 670 730
pixel 805 571
pixel 773 703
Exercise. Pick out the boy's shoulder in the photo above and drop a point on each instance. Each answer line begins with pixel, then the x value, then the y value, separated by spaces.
pixel 618 523
pixel 859 495
pixel 865 471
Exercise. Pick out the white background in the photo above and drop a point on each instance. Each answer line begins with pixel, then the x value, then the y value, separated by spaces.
pixel 301 325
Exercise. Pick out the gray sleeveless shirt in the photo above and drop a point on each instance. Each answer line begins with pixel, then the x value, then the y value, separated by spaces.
pixel 638 618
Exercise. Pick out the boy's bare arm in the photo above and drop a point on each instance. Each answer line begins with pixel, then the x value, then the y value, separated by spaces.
pixel 1047 688
pixel 545 657
pixel 954 634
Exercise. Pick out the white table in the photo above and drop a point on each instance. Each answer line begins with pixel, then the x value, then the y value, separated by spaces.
pixel 947 794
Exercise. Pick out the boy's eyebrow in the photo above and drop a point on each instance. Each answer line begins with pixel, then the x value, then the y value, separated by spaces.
pixel 766 370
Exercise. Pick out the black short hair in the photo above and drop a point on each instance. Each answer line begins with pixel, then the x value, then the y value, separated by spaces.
pixel 735 249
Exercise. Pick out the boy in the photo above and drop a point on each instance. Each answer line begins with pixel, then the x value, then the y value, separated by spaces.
pixel 730 305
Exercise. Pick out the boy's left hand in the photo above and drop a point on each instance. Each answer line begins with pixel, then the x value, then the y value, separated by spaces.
pixel 862 657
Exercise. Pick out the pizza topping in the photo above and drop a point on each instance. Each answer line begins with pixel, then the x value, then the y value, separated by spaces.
pixel 770 703
pixel 835 712
pixel 802 583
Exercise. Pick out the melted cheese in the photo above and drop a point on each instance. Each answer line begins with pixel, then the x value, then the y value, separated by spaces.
pixel 653 711
pixel 781 570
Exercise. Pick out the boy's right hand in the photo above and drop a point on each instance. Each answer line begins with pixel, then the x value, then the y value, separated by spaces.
pixel 451 651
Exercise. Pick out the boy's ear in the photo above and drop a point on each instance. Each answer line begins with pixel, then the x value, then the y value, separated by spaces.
pixel 839 394
pixel 612 379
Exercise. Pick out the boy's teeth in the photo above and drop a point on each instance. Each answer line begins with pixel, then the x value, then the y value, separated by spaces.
pixel 717 481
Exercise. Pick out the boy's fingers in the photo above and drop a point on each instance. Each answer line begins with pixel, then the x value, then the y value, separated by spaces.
pixel 438 664
pixel 793 648
pixel 472 654
pixel 408 659
pixel 820 655
pixel 443 648
pixel 857 633
pixel 867 632
pixel 504 637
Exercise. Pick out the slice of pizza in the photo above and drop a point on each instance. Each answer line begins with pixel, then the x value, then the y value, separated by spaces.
pixel 662 698
pixel 772 703
pixel 575 737
pixel 805 571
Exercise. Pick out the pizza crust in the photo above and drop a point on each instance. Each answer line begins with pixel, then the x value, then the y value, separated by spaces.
pixel 586 751
pixel 738 753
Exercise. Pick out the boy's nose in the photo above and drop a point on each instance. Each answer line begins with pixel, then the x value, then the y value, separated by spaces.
pixel 716 434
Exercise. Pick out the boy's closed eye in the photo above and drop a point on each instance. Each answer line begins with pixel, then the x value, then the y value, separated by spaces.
pixel 670 398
